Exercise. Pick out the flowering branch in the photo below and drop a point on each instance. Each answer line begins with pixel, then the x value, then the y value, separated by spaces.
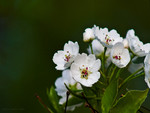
pixel 109 56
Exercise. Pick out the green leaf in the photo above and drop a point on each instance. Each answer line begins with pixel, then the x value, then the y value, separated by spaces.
pixel 138 60
pixel 54 100
pixel 109 96
pixel 131 102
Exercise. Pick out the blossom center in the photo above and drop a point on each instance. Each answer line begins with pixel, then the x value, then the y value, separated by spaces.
pixel 117 57
pixel 107 39
pixel 85 73
pixel 67 57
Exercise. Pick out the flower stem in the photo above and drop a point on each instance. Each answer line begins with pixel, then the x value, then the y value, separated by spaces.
pixel 112 73
pixel 119 71
pixel 91 48
pixel 104 76
pixel 67 94
pixel 130 77
pixel 103 60
pixel 137 76
pixel 102 83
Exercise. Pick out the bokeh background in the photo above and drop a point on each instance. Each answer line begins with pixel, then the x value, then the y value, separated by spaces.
pixel 31 31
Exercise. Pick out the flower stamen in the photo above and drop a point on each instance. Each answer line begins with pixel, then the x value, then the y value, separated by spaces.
pixel 67 57
pixel 108 40
pixel 117 57
pixel 85 73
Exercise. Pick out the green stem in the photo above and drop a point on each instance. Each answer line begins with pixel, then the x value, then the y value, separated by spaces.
pixel 102 83
pixel 138 75
pixel 91 48
pixel 109 68
pixel 128 78
pixel 79 96
pixel 112 74
pixel 104 76
pixel 118 73
pixel 103 60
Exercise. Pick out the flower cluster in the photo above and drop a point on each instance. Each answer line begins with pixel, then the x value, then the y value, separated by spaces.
pixel 108 55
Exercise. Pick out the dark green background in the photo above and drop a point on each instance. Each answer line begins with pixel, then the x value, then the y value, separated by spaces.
pixel 31 31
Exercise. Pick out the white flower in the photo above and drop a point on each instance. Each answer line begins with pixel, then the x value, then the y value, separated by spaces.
pixel 125 43
pixel 108 38
pixel 119 55
pixel 136 46
pixel 97 48
pixel 61 89
pixel 64 58
pixel 88 35
pixel 85 69
pixel 147 69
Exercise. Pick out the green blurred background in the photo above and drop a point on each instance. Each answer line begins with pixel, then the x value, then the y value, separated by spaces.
pixel 31 31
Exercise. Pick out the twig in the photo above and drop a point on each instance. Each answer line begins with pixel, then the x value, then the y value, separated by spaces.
pixel 67 96
pixel 40 100
pixel 129 77
pixel 145 108
pixel 89 105
pixel 140 111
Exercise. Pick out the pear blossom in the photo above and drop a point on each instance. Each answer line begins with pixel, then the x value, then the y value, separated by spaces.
pixel 61 89
pixel 97 48
pixel 136 46
pixel 85 68
pixel 119 55
pixel 88 35
pixel 64 58
pixel 147 69
pixel 108 38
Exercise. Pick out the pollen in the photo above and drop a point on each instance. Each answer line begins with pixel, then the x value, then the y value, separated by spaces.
pixel 67 57
pixel 85 73
pixel 117 57
pixel 108 40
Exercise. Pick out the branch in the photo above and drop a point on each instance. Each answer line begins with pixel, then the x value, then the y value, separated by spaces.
pixel 89 105
pixel 40 100
pixel 67 96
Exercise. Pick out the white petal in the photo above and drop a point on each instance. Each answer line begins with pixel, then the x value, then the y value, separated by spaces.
pixel 119 51
pixel 147 59
pixel 88 35
pixel 73 48
pixel 96 65
pixel 80 58
pixel 130 33
pixel 97 47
